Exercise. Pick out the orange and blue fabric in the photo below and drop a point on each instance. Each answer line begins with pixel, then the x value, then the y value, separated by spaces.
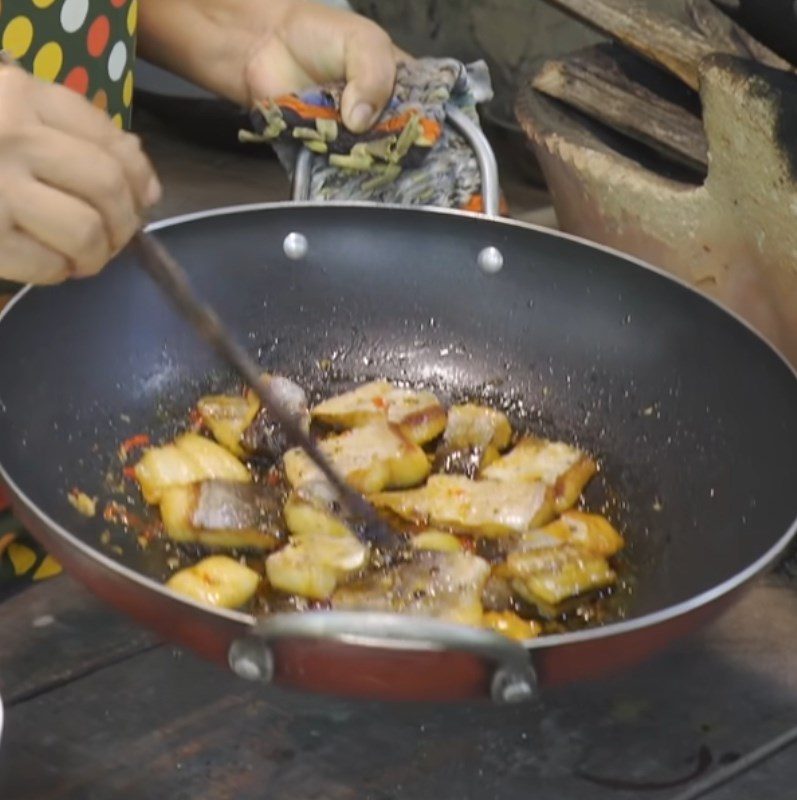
pixel 412 156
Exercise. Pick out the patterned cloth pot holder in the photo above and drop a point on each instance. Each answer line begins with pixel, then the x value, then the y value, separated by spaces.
pixel 410 157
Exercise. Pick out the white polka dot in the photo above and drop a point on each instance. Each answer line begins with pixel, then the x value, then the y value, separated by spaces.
pixel 73 14
pixel 117 61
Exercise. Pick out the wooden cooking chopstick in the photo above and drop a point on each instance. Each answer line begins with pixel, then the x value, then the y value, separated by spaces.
pixel 172 279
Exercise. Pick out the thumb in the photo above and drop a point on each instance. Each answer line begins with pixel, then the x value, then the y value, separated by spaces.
pixel 370 65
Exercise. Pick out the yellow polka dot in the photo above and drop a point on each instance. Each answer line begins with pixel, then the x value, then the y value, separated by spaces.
pixel 117 120
pixel 22 558
pixel 43 3
pixel 48 62
pixel 48 569
pixel 132 17
pixel 127 89
pixel 17 37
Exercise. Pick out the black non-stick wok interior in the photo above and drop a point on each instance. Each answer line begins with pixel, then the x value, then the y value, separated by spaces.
pixel 693 418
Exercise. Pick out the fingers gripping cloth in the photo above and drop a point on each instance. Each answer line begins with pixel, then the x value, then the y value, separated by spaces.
pixel 410 157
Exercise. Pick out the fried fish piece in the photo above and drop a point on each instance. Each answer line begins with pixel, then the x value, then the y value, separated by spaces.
pixel 419 414
pixel 564 468
pixel 591 532
pixel 311 566
pixel 446 586
pixel 217 581
pixel 227 418
pixel 475 436
pixel 263 437
pixel 190 459
pixel 483 508
pixel 223 515
pixel 554 574
pixel 371 458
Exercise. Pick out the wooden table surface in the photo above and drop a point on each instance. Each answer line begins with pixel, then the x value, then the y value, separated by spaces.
pixel 98 709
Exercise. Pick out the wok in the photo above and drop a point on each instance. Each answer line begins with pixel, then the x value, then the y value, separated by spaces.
pixel 692 415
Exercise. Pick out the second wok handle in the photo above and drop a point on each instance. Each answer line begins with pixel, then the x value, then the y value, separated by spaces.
pixel 507 665
pixel 488 165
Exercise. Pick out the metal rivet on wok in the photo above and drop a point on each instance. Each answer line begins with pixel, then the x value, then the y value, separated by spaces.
pixel 250 658
pixel 491 260
pixel 510 687
pixel 295 246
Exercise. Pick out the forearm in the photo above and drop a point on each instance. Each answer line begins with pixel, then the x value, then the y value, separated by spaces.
pixel 206 41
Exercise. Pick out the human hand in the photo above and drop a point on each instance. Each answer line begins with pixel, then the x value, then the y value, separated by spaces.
pixel 72 186
pixel 249 50
pixel 312 44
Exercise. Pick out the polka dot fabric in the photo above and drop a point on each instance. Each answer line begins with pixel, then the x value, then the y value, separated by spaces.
pixel 88 45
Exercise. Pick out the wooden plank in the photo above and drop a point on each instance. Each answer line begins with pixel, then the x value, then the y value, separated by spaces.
pixel 547 122
pixel 657 37
pixel 720 29
pixel 620 90
pixel 55 632
pixel 163 725
pixel 667 42
pixel 770 21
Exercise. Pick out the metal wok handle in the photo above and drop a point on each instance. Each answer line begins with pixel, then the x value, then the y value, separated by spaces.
pixel 488 166
pixel 384 656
